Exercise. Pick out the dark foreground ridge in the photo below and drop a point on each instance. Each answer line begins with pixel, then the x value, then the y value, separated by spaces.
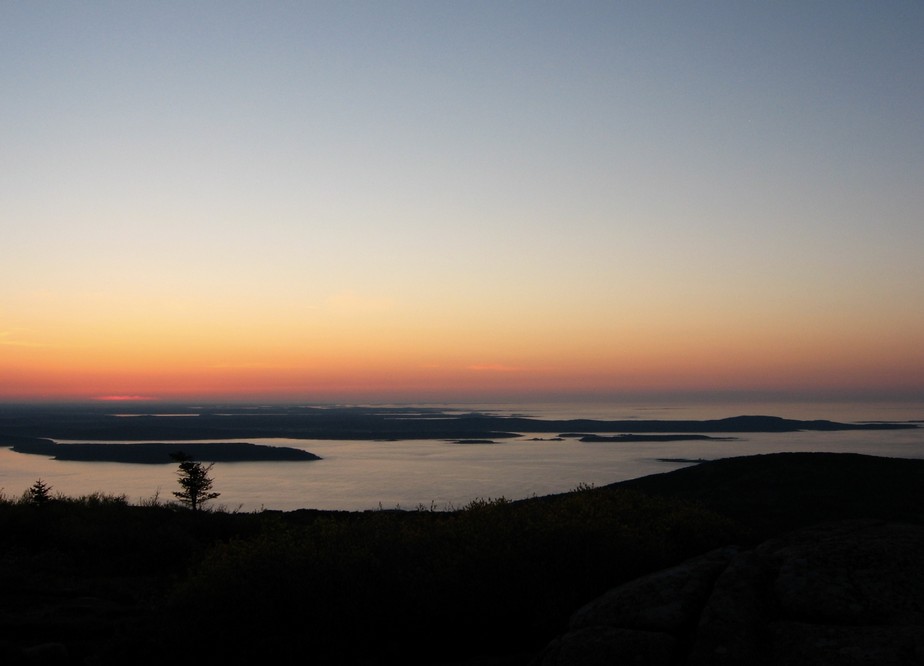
pixel 160 453
pixel 808 558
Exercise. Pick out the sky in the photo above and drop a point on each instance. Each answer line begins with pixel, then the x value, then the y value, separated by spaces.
pixel 334 201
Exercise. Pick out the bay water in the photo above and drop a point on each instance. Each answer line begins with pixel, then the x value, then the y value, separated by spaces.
pixel 438 474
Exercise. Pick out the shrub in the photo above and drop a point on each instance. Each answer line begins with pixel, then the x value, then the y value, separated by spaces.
pixel 39 494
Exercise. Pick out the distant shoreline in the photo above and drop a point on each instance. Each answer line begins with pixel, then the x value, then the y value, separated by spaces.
pixel 34 432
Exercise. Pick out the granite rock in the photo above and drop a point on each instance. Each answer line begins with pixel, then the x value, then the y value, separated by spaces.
pixel 842 593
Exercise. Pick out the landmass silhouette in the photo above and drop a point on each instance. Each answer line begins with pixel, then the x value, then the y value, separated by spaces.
pixel 159 453
pixel 29 429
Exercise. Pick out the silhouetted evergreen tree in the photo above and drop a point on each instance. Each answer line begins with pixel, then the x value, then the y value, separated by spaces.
pixel 39 493
pixel 194 481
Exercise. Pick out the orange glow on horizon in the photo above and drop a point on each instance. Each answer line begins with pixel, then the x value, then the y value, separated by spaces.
pixel 123 398
pixel 371 354
pixel 385 377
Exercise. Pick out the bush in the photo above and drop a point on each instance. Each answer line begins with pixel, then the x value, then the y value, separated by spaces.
pixel 39 494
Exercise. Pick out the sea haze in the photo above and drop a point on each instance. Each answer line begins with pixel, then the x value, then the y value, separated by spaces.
pixel 358 474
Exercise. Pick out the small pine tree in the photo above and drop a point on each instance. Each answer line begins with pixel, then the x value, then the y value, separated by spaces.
pixel 39 494
pixel 194 481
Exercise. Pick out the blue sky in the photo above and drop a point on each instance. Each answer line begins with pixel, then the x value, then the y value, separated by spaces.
pixel 586 193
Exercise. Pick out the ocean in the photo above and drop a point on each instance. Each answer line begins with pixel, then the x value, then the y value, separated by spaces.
pixel 436 474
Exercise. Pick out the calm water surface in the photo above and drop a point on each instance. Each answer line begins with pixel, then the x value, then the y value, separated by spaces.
pixel 357 475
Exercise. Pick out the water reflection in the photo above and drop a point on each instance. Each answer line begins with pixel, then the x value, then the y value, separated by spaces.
pixel 358 475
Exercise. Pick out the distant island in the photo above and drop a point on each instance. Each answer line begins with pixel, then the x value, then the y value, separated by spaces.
pixel 160 453
pixel 151 438
pixel 93 424
pixel 647 438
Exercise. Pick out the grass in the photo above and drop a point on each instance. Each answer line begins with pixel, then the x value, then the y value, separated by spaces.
pixel 500 574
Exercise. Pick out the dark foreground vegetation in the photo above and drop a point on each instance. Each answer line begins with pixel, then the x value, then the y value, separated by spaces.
pixel 96 580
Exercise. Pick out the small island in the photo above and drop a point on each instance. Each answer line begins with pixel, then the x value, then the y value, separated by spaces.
pixel 628 437
pixel 160 453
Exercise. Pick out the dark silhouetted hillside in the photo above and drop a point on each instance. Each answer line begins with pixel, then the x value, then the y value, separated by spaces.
pixel 104 582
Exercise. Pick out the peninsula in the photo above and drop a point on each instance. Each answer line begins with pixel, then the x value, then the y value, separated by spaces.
pixel 160 453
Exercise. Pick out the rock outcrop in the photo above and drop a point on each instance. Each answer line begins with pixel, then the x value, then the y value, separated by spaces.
pixel 845 593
